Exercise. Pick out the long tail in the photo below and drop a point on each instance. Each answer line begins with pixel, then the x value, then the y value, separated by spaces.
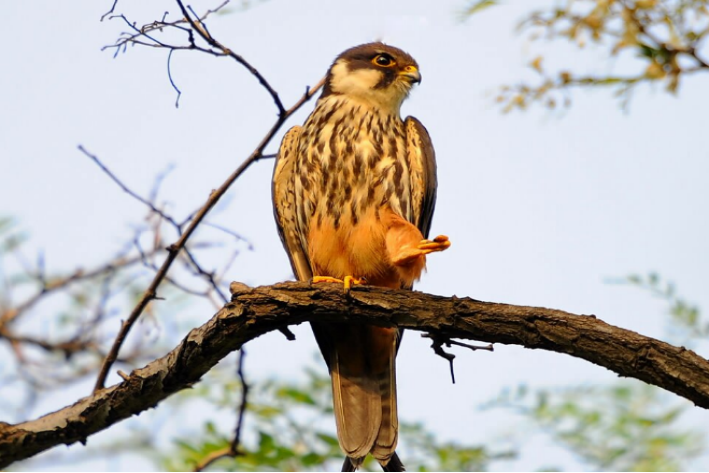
pixel 393 465
pixel 361 360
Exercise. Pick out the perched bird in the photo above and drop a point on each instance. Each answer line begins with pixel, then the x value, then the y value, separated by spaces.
pixel 354 190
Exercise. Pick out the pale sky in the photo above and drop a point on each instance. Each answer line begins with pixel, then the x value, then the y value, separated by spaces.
pixel 541 209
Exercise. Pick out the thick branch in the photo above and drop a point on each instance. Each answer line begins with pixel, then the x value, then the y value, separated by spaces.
pixel 254 312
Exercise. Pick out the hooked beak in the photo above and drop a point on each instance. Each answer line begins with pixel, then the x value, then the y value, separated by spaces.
pixel 412 74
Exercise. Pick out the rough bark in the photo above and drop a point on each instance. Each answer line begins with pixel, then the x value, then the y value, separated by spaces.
pixel 256 311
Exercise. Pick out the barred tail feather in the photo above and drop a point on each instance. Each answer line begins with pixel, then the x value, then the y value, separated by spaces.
pixel 357 407
pixel 388 434
pixel 361 360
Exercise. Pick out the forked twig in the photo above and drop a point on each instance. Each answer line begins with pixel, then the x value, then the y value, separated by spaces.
pixel 199 27
pixel 233 449
pixel 437 342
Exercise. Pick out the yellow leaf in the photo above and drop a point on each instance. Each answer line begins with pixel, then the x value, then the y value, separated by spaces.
pixel 593 21
pixel 654 71
pixel 536 64
pixel 479 6
pixel 645 4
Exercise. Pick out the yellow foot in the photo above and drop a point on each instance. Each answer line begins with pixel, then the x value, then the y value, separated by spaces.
pixel 440 243
pixel 407 256
pixel 347 283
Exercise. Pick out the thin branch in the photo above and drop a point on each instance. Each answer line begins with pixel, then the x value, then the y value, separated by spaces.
pixel 127 38
pixel 212 457
pixel 437 342
pixel 205 274
pixel 113 7
pixel 244 402
pixel 232 233
pixel 174 249
pixel 53 285
pixel 198 26
pixel 437 346
pixel 125 188
pixel 148 263
pixel 233 449
pixel 172 82
pixel 68 348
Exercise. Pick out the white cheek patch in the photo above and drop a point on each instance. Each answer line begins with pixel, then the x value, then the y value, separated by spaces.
pixel 355 82
pixel 361 83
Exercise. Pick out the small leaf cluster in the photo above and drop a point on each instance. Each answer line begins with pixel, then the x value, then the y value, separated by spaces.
pixel 291 428
pixel 659 41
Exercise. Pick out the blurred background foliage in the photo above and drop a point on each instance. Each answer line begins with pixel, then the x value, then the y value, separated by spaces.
pixel 622 426
pixel 291 430
pixel 660 41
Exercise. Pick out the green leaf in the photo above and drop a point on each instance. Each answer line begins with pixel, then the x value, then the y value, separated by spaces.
pixel 300 397
pixel 328 439
pixel 478 6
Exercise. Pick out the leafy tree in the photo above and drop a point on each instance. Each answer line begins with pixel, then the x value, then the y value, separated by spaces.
pixel 292 431
pixel 627 426
pixel 660 41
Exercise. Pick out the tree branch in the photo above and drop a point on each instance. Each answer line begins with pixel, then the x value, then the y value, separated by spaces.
pixel 254 312
pixel 174 249
pixel 198 26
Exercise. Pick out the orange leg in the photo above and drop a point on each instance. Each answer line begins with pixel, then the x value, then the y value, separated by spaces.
pixel 408 255
pixel 348 282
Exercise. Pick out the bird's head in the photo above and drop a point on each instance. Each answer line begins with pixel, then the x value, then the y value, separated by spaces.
pixel 375 73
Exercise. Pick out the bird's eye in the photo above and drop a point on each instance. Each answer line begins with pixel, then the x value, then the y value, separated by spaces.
pixel 383 60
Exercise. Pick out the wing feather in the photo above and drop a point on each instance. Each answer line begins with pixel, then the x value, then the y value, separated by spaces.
pixel 422 168
pixel 284 204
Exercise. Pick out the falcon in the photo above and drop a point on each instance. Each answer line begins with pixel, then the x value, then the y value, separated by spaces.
pixel 354 190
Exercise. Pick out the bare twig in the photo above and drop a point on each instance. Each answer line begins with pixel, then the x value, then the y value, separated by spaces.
pixel 113 7
pixel 174 249
pixel 125 188
pixel 148 263
pixel 448 342
pixel 209 276
pixel 198 26
pixel 437 342
pixel 53 285
pixel 128 38
pixel 437 345
pixel 244 402
pixel 213 457
pixel 68 348
pixel 232 233
pixel 172 82
pixel 233 449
